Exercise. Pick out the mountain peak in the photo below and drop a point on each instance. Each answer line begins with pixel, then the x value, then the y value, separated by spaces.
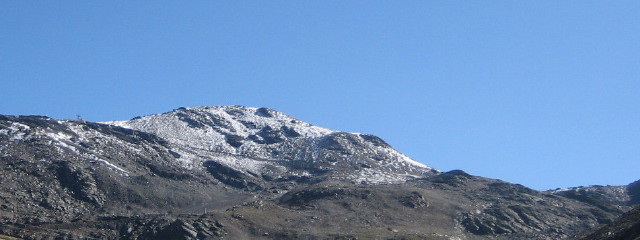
pixel 260 138
pixel 221 127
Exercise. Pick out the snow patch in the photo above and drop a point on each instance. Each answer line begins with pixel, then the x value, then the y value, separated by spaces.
pixel 18 131
pixel 58 136
pixel 112 166
pixel 61 140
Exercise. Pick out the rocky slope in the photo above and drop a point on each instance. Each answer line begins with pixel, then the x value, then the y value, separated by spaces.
pixel 255 173
pixel 58 170
pixel 627 227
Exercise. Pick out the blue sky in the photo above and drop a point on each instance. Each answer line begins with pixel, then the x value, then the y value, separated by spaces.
pixel 541 93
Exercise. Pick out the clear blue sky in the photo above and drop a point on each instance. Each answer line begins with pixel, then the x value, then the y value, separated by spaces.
pixel 541 93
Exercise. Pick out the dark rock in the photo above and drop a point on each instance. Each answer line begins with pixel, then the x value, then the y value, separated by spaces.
pixel 234 140
pixel 168 172
pixel 376 141
pixel 340 142
pixel 454 178
pixel 627 227
pixel 634 192
pixel 307 196
pixel 270 136
pixel 80 183
pixel 192 122
pixel 178 230
pixel 230 176
pixel 265 112
pixel 414 200
pixel 289 132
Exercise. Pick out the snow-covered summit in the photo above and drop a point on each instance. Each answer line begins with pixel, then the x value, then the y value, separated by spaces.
pixel 223 128
pixel 254 139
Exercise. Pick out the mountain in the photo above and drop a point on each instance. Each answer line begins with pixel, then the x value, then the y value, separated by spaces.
pixel 255 173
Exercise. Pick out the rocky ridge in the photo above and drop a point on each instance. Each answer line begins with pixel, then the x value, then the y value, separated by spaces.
pixel 255 173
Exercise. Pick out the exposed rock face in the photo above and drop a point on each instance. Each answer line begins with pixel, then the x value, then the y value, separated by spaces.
pixel 251 173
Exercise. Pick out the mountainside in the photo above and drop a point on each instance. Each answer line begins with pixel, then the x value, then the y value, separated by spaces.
pixel 255 173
